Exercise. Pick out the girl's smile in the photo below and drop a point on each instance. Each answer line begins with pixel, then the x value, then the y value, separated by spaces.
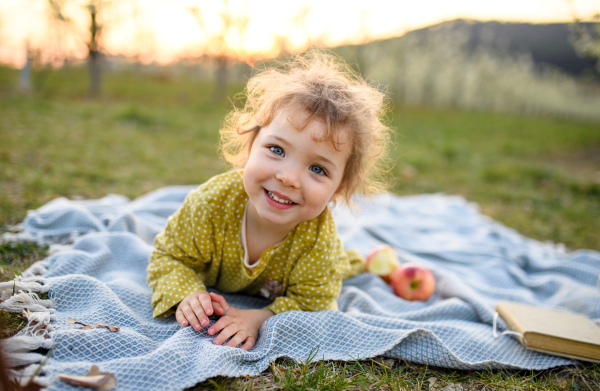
pixel 278 200
pixel 291 175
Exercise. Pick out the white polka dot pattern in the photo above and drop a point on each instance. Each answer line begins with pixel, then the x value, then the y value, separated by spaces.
pixel 201 247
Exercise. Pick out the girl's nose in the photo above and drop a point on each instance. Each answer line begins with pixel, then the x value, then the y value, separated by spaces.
pixel 289 177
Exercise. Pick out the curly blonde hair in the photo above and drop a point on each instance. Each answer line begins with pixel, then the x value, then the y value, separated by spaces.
pixel 326 88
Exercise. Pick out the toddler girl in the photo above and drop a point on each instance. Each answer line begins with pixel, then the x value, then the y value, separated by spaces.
pixel 310 134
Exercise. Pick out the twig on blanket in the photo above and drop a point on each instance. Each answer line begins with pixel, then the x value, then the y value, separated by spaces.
pixel 112 328
pixel 31 385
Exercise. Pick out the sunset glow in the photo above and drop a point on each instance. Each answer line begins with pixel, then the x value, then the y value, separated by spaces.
pixel 165 31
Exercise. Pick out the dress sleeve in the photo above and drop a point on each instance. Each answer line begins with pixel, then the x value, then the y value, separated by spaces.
pixel 315 281
pixel 181 254
pixel 356 262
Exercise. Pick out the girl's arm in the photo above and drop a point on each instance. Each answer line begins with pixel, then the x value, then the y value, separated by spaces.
pixel 176 264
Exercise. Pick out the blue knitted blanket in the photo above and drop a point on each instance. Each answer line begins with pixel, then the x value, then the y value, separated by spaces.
pixel 476 262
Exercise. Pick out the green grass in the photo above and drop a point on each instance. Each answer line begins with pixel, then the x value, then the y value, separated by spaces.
pixel 540 176
pixel 398 375
pixel 14 258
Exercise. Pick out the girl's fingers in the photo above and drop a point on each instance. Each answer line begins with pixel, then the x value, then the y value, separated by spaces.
pixel 217 308
pixel 190 316
pixel 220 300
pixel 219 325
pixel 225 334
pixel 205 301
pixel 248 344
pixel 199 314
pixel 181 319
pixel 237 339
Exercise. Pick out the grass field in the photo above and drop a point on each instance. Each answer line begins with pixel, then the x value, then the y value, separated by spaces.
pixel 540 176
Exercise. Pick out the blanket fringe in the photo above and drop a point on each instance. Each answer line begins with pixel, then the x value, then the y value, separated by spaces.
pixel 19 359
pixel 31 283
pixel 39 268
pixel 25 375
pixel 42 241
pixel 27 301
pixel 34 335
pixel 25 343
pixel 21 295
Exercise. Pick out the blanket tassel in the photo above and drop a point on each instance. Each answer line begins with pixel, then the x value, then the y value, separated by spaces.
pixel 21 295
pixel 39 268
pixel 28 374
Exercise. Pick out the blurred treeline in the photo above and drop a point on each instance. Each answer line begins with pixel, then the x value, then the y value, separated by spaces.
pixel 517 68
pixel 499 67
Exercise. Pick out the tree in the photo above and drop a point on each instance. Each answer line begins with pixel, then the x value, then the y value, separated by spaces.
pixel 220 44
pixel 25 73
pixel 586 36
pixel 95 9
pixel 363 37
pixel 94 54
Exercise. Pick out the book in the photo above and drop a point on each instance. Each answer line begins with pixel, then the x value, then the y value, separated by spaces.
pixel 554 332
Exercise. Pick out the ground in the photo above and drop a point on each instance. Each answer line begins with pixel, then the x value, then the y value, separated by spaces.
pixel 540 176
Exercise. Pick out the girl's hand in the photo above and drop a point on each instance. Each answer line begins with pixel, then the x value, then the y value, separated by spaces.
pixel 241 325
pixel 194 310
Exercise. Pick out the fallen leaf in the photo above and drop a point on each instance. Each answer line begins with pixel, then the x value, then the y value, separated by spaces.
pixel 93 379
pixel 112 328
pixel 36 324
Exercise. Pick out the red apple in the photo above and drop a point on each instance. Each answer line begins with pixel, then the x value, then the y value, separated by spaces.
pixel 413 282
pixel 382 261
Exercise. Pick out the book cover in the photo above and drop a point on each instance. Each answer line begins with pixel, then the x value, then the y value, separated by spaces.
pixel 552 331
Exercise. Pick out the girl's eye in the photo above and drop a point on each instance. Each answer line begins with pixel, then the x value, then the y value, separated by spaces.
pixel 317 170
pixel 277 150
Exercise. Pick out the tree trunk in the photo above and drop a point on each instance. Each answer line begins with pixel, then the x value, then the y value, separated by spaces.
pixel 25 74
pixel 94 55
pixel 94 63
pixel 221 74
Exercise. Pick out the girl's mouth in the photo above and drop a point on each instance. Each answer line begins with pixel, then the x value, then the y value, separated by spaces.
pixel 278 202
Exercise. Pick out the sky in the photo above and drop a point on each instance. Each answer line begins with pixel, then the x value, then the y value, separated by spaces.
pixel 165 31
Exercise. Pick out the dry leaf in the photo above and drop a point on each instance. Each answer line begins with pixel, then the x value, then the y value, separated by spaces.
pixel 112 328
pixel 35 323
pixel 93 379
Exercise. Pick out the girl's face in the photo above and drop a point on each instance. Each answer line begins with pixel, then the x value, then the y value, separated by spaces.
pixel 289 177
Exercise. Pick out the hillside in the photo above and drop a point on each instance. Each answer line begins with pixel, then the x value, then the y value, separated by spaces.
pixel 548 44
